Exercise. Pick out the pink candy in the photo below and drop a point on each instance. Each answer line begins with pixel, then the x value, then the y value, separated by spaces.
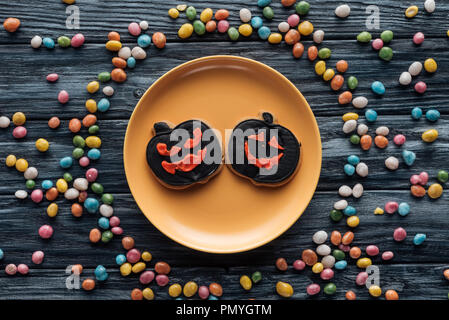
pixel 19 132
pixel 293 20
pixel 77 40
pixel 299 265
pixel 114 221
pixel 327 274
pixel 63 96
pixel 418 38
pixel 372 250
pixel 377 44
pixel 399 234
pixel 37 195
pixel 117 230
pixel 387 255
pixel 23 268
pixel 203 292
pixel 52 77
pixel 162 280
pixel 133 255
pixel 421 179
pixel 134 29
pixel 84 161
pixel 37 257
pixel 344 247
pixel 361 278
pixel 146 277
pixel 92 174
pixel 11 269
pixel 399 139
pixel 420 87
pixel 223 26
pixel 45 231
pixel 391 207
pixel 313 289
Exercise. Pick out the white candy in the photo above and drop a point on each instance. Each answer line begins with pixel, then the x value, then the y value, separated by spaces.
pixel 318 36
pixel 81 184
pixel 349 126
pixel 362 129
pixel 362 169
pixel 108 90
pixel 415 68
pixel 392 163
pixel 283 26
pixel 328 261
pixel 31 173
pixel 21 194
pixel 345 191
pixel 429 5
pixel 320 237
pixel 124 53
pixel 382 131
pixel 4 122
pixel 323 250
pixel 71 194
pixel 36 42
pixel 143 25
pixel 340 205
pixel 342 11
pixel 360 102
pixel 106 210
pixel 138 53
pixel 405 78
pixel 245 15
pixel 357 190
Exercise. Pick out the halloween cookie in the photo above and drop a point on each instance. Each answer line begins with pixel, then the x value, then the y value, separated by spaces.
pixel 184 155
pixel 264 152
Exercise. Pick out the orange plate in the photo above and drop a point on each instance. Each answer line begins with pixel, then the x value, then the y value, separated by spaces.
pixel 228 214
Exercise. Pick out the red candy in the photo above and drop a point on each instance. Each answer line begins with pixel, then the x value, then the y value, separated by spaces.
pixel 52 77
pixel 146 277
pixel 372 250
pixel 391 207
pixel 377 44
pixel 299 265
pixel 23 269
pixel 399 234
pixel 45 231
pixel 361 278
pixel 37 195
pixel 133 256
pixel 420 87
pixel 19 132
pixel 63 96
pixel 37 257
pixel 418 38
pixel 162 280
pixel 387 255
pixel 77 40
pixel 327 274
pixel 91 174
pixel 313 289
pixel 399 139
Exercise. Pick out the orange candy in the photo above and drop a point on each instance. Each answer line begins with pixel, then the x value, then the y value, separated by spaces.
pixel 337 82
pixel 136 294
pixel 221 14
pixel 347 238
pixel 335 238
pixel 418 191
pixel 54 122
pixel 342 66
pixel 216 289
pixel 118 75
pixel 288 3
pixel 391 295
pixel 114 36
pixel 345 97
pixel 127 243
pixel 446 274
pixel 89 120
pixel 355 252
pixel 77 269
pixel 51 194
pixel 75 125
pixel 292 37
pixel 381 142
pixel 11 24
pixel 298 50
pixel 94 235
pixel 366 141
pixel 211 25
pixel 309 257
pixel 77 210
pixel 88 284
pixel 312 53
pixel 350 295
pixel 119 62
pixel 159 40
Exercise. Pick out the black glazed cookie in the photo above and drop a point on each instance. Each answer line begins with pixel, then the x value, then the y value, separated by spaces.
pixel 187 160
pixel 263 151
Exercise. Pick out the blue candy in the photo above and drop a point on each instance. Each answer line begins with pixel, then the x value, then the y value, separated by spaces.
pixel 416 113
pixel 409 157
pixel 100 273
pixel 103 105
pixel 91 205
pixel 378 87
pixel 120 259
pixel 66 162
pixel 354 160
pixel 131 62
pixel 341 265
pixel 144 40
pixel 370 115
pixel 1 254
pixel 103 222
pixel 404 208
pixel 263 3
pixel 256 22
pixel 349 169
pixel 47 184
pixel 432 115
pixel 49 43
pixel 212 297
pixel 350 211
pixel 264 32
pixel 419 239
pixel 94 154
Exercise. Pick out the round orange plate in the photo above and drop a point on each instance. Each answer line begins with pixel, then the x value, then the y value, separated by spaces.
pixel 228 214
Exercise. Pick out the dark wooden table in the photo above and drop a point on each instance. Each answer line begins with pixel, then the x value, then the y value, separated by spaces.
pixel 415 272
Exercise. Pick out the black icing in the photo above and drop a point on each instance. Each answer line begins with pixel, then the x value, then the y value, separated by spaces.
pixel 288 162
pixel 180 179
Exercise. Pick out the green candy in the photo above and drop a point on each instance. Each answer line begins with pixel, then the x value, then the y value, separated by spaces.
pixel 63 42
pixel 386 53
pixel 352 82
pixel 106 236
pixel 30 184
pixel 324 53
pixel 97 188
pixel 233 33
pixel 386 36
pixel 256 277
pixel 199 27
pixel 191 13
pixel 67 177
pixel 104 76
pixel 443 176
pixel 330 288
pixel 364 36
pixel 78 141
pixel 336 215
pixel 77 153
pixel 268 13
pixel 338 254
pixel 93 129
pixel 302 8
pixel 355 139
pixel 107 198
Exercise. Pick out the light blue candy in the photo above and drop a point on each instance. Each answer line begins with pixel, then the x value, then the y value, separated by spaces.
pixel 409 157
pixel 349 169
pixel 179 298
pixel 341 265
pixel 66 162
pixel 144 40
pixel 120 259
pixel 1 254
pixel 94 154
pixel 103 223
pixel 256 22
pixel 264 32
pixel 131 62
pixel 212 297
pixel 263 3
pixel 354 160
pixel 370 115
pixel 100 273
pixel 404 208
pixel 378 87
pixel 47 184
pixel 416 113
pixel 103 105
pixel 49 43
pixel 91 205
pixel 419 239
pixel 432 115
pixel 350 211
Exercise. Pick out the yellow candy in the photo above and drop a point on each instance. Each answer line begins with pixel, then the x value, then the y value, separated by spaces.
pixel 52 210
pixel 353 221
pixel 429 135
pixel 378 211
pixel 411 11
pixel 245 30
pixel 148 294
pixel 350 116
pixel 190 288
pixel 185 31
pixel 328 74
pixel 363 263
pixel 93 86
pixel 181 7
pixel 246 283
pixel 175 290
pixel 206 15
pixel 93 142
pixel 11 160
pixel 21 165
pixel 435 191
pixel 447 33
pixel 173 13
pixel 317 267
pixel 275 38
pixel 68 1
pixel 19 118
pixel 42 145
pixel 320 67
pixel 61 185
pixel 375 291
pixel 91 105
pixel 125 269
pixel 113 45
pixel 430 65
pixel 139 267
pixel 284 289
pixel 146 256
pixel 305 28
